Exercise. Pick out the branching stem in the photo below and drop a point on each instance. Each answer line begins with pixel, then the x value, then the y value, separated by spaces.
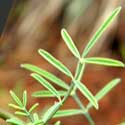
pixel 72 89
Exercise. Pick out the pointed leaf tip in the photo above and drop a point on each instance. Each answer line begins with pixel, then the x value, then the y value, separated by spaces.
pixel 21 65
pixel 100 31
pixel 105 90
pixel 15 98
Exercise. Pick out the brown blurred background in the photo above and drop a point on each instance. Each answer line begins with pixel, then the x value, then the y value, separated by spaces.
pixel 35 24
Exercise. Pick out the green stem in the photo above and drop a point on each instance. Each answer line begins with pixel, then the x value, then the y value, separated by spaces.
pixel 63 101
pixel 78 101
pixel 28 115
pixel 79 73
pixel 72 89
pixel 85 113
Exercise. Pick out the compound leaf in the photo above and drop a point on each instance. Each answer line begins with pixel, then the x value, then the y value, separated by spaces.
pixel 16 99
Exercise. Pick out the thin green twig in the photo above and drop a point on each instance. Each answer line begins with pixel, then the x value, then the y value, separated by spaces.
pixel 85 112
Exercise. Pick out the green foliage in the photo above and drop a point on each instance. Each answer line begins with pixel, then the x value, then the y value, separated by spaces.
pixel 45 93
pixel 69 90
pixel 104 61
pixel 46 75
pixel 107 88
pixel 49 113
pixel 21 107
pixel 99 32
pixel 46 84
pixel 70 43
pixel 55 62
pixel 86 93
pixel 14 121
pixel 68 112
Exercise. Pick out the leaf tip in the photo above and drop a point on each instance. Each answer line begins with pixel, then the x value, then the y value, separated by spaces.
pixel 22 65
pixel 11 91
pixel 118 80
pixel 33 74
pixel 63 30
pixel 119 8
pixel 40 50
pixel 37 104
pixel 97 106
pixel 25 92
pixel 123 65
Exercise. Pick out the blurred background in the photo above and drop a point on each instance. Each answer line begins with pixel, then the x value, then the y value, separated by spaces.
pixel 34 24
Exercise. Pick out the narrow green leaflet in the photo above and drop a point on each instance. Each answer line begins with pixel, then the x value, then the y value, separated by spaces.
pixel 86 93
pixel 16 99
pixel 15 106
pixel 20 113
pixel 104 61
pixel 55 62
pixel 105 90
pixel 45 93
pixel 14 121
pixel 46 84
pixel 50 112
pixel 69 42
pixel 46 75
pixel 99 32
pixel 33 107
pixel 68 112
pixel 25 98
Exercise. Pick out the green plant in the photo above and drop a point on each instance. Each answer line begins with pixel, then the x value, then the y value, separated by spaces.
pixel 67 90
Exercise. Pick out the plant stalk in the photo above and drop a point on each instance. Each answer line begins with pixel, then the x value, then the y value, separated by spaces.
pixel 29 115
pixel 85 112
pixel 78 75
pixel 63 101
